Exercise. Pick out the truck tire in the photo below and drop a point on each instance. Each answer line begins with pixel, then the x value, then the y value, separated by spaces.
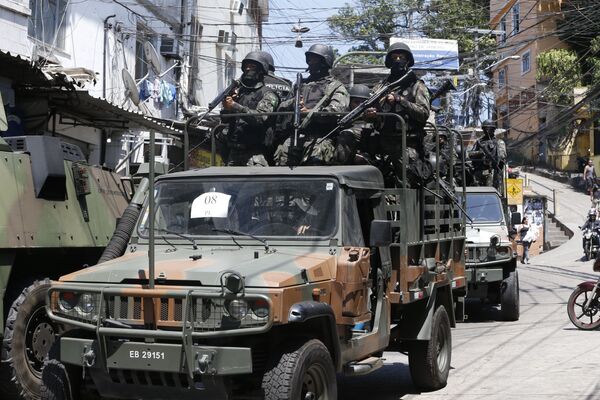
pixel 28 335
pixel 429 361
pixel 509 297
pixel 59 381
pixel 304 372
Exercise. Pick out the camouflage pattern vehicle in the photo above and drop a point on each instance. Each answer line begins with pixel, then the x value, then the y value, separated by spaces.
pixel 491 261
pixel 56 215
pixel 264 282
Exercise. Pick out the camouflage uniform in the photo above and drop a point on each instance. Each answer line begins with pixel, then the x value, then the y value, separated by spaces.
pixel 485 174
pixel 447 152
pixel 414 109
pixel 320 93
pixel 246 136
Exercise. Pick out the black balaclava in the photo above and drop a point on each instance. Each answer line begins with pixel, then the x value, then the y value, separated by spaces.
pixel 399 68
pixel 318 70
pixel 251 78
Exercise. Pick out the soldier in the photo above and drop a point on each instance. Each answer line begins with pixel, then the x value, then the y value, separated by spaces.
pixel 447 152
pixel 360 135
pixel 413 105
pixel 489 156
pixel 320 92
pixel 246 135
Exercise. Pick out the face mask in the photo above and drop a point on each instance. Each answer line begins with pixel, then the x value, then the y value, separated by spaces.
pixel 399 67
pixel 251 77
pixel 317 69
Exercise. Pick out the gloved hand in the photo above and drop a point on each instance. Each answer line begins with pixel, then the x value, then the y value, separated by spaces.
pixel 295 154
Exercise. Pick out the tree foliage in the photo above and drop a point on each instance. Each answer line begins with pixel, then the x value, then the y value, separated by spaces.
pixel 561 70
pixel 372 22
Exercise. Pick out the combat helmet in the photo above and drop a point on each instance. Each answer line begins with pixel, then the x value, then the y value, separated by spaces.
pixel 269 59
pixel 323 51
pixel 360 91
pixel 260 57
pixel 399 47
pixel 488 123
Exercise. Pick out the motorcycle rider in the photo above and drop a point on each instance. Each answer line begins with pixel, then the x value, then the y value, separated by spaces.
pixel 592 224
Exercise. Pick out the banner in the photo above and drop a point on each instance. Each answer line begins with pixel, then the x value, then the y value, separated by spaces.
pixel 432 53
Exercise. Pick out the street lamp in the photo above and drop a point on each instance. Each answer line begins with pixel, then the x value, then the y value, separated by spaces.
pixel 515 57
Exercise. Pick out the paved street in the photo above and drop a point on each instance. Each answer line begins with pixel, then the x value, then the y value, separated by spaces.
pixel 541 356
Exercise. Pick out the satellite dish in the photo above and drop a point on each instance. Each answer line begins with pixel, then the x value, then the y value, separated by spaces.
pixel 152 57
pixel 3 120
pixel 131 90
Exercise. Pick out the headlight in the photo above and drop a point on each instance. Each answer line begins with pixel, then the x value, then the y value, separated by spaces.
pixel 87 303
pixel 67 300
pixel 237 308
pixel 260 308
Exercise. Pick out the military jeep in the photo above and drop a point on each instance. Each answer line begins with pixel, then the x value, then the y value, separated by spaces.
pixel 264 282
pixel 490 259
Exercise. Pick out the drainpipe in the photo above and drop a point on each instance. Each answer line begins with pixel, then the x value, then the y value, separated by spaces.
pixel 107 26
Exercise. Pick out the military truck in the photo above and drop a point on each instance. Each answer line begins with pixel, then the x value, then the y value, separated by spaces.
pixel 267 282
pixel 57 214
pixel 491 262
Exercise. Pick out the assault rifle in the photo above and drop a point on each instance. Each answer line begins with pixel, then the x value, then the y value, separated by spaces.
pixel 446 87
pixel 404 82
pixel 297 100
pixel 221 96
pixel 488 154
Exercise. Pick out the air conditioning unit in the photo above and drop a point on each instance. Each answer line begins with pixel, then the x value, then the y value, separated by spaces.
pixel 169 47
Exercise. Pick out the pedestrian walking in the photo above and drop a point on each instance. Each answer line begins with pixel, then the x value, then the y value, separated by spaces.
pixel 523 232
pixel 589 177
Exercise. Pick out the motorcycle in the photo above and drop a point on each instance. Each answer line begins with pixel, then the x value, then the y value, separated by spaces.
pixel 583 306
pixel 591 243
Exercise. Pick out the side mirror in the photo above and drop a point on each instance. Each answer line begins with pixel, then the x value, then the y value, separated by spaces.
pixel 380 233
pixel 515 218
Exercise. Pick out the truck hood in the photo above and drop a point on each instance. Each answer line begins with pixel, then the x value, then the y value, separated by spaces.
pixel 281 268
pixel 481 234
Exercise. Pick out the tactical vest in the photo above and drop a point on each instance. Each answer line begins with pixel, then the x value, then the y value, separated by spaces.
pixel 243 135
pixel 312 93
pixel 282 87
pixel 392 126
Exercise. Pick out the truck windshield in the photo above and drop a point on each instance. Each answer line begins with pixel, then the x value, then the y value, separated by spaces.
pixel 259 207
pixel 484 207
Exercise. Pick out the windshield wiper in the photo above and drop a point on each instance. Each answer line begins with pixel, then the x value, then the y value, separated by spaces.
pixel 194 245
pixel 238 233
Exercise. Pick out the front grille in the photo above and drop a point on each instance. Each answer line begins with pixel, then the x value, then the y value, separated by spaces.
pixel 150 378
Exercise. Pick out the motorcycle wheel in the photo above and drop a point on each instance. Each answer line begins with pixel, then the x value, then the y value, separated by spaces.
pixel 588 250
pixel 584 318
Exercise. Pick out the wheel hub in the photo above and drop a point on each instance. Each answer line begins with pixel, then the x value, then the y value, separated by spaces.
pixel 43 337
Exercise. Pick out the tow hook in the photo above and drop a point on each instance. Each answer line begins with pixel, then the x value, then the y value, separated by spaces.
pixel 89 359
pixel 205 364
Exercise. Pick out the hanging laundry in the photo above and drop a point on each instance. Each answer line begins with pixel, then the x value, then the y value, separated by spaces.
pixel 168 93
pixel 146 88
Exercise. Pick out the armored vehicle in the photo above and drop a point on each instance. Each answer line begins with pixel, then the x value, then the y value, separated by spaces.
pixel 491 261
pixel 267 282
pixel 56 215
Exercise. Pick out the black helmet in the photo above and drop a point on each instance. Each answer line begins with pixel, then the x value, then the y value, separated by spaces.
pixel 258 57
pixel 488 123
pixel 360 91
pixel 269 59
pixel 323 51
pixel 397 47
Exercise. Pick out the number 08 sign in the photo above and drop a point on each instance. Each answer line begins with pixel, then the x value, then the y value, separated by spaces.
pixel 210 205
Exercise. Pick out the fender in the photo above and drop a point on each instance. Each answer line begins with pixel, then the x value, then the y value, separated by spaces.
pixel 307 310
pixel 587 285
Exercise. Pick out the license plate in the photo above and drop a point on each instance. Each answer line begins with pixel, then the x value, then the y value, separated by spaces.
pixel 145 356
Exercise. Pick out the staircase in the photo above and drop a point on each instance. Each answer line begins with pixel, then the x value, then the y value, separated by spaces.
pixel 556 233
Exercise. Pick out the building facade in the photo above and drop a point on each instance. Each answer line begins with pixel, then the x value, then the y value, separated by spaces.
pixel 530 28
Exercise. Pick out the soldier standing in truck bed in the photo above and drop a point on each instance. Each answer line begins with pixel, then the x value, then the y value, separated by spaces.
pixel 246 135
pixel 320 92
pixel 413 105
pixel 488 168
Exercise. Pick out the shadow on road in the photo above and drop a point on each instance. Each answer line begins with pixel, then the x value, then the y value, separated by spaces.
pixel 477 311
pixel 390 382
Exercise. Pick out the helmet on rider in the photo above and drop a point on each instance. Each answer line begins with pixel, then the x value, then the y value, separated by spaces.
pixel 592 214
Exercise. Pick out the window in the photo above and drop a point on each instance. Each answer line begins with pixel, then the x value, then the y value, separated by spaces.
pixel 516 17
pixel 526 63
pixel 48 21
pixel 143 35
pixel 502 77
pixel 503 29
pixel 223 36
